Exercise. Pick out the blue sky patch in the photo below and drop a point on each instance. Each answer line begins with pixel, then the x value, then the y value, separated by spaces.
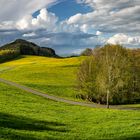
pixel 69 8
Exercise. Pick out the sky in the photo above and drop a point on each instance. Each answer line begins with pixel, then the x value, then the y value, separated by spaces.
pixel 70 26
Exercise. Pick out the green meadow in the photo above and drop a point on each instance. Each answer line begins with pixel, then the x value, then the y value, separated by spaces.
pixel 24 116
pixel 50 75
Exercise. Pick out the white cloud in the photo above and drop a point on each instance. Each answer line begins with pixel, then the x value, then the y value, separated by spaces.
pixel 63 26
pixel 111 16
pixel 7 25
pixel 119 17
pixel 12 10
pixel 29 34
pixel 107 16
pixel 24 23
pixel 99 33
pixel 43 20
pixel 124 39
pixel 75 18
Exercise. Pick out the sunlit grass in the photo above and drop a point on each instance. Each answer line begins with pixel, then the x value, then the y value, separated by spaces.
pixel 51 75
pixel 24 116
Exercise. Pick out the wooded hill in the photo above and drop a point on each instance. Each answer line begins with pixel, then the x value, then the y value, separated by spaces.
pixel 23 47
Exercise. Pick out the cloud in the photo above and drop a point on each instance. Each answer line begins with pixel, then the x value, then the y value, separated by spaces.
pixel 124 39
pixel 99 33
pixel 74 19
pixel 110 16
pixel 29 34
pixel 7 25
pixel 45 20
pixel 64 42
pixel 119 19
pixel 12 10
pixel 85 28
pixel 24 23
pixel 78 51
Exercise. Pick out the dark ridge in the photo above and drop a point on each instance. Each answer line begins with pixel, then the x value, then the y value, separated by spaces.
pixel 29 48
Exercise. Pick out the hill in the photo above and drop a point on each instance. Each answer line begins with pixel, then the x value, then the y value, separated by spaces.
pixel 26 116
pixel 51 75
pixel 28 48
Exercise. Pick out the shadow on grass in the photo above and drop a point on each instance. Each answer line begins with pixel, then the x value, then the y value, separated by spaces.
pixel 13 123
pixel 131 137
pixel 11 135
pixel 12 59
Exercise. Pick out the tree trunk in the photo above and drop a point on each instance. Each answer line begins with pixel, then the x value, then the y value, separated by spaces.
pixel 107 99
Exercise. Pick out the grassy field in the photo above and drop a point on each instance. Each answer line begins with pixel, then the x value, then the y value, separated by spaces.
pixel 24 116
pixel 51 75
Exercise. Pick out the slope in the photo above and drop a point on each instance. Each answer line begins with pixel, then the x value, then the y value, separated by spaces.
pixel 26 116
pixel 52 75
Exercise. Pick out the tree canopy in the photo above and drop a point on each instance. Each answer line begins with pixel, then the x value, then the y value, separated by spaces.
pixel 110 75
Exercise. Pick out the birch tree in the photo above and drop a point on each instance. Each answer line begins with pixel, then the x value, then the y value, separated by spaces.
pixel 107 76
pixel 113 70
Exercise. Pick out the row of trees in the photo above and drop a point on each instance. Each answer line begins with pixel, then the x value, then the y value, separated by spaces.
pixel 111 75
pixel 8 55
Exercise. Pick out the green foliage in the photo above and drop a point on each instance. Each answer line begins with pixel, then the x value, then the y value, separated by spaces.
pixel 109 76
pixel 8 55
pixel 87 52
pixel 28 48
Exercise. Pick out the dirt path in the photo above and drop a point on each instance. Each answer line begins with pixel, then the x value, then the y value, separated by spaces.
pixel 59 99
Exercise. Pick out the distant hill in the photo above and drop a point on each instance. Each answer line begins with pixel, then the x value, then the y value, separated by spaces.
pixel 28 48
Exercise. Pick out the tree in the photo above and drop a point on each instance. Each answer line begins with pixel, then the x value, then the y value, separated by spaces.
pixel 87 52
pixel 114 69
pixel 8 55
pixel 86 79
pixel 106 76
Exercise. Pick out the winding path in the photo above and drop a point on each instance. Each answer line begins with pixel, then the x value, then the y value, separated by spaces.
pixel 59 99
